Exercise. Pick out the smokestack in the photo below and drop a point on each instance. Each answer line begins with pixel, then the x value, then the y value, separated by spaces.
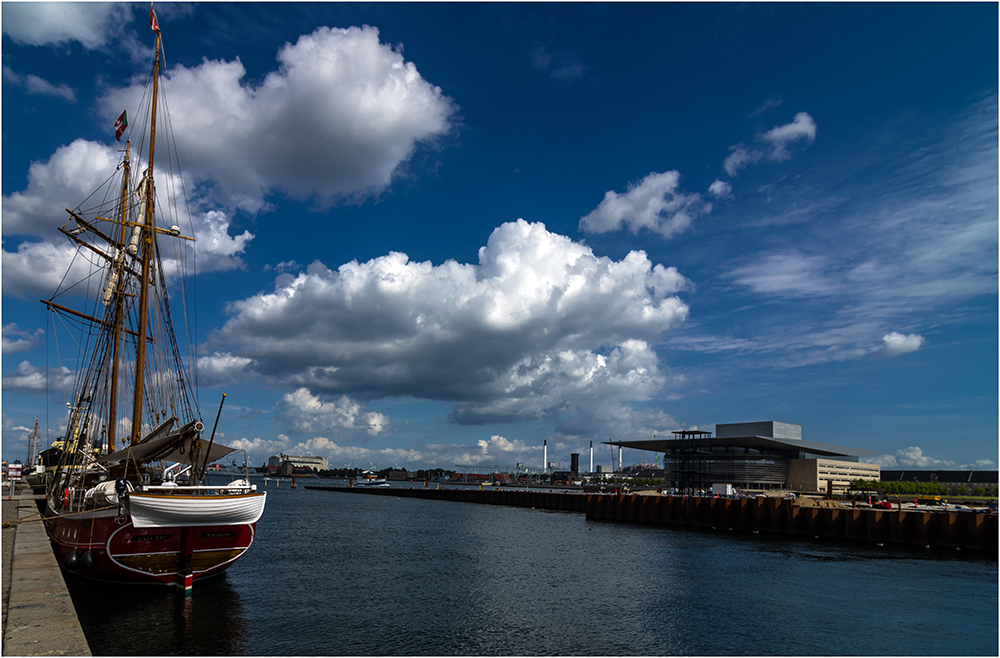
pixel 545 453
pixel 591 457
pixel 620 459
pixel 574 463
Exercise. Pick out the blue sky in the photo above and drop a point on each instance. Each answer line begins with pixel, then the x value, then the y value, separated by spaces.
pixel 439 234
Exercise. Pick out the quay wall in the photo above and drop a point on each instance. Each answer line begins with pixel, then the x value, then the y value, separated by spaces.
pixel 570 502
pixel 941 529
pixel 39 618
pixel 771 515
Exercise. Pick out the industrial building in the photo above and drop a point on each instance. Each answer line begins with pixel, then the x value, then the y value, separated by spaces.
pixel 757 456
pixel 289 465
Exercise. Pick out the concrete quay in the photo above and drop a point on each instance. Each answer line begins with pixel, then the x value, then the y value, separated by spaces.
pixel 38 614
pixel 978 532
pixel 507 496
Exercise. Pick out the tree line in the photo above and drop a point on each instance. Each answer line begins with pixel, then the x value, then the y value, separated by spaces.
pixel 922 488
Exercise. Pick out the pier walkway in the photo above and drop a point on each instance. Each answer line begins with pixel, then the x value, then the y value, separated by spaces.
pixel 38 614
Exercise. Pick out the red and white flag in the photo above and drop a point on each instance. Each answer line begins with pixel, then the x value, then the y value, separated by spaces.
pixel 153 25
pixel 120 125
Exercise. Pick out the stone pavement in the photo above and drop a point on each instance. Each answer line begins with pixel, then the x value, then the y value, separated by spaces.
pixel 38 614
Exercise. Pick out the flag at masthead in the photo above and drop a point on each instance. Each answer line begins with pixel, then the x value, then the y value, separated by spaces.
pixel 153 25
pixel 120 125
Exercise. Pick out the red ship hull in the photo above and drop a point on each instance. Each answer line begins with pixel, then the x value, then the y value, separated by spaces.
pixel 121 553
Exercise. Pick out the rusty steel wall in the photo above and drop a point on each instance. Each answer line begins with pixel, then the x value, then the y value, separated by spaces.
pixel 772 515
pixel 942 529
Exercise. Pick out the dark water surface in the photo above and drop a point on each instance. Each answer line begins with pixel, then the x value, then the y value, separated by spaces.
pixel 341 574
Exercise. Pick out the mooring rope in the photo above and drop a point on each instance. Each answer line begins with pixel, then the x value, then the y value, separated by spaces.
pixel 38 517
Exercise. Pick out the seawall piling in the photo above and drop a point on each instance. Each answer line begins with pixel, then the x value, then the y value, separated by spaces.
pixel 963 530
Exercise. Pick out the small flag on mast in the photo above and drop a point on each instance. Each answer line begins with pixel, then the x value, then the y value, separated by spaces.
pixel 120 125
pixel 153 25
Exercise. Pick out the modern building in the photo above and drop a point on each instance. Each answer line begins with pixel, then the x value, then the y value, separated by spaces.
pixel 757 456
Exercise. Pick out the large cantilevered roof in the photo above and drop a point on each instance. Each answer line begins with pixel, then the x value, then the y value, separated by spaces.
pixel 756 442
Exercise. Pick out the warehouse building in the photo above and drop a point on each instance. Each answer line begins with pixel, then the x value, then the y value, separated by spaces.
pixel 757 456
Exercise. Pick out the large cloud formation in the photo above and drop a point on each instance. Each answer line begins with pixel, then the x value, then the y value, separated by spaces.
pixel 92 24
pixel 64 181
pixel 336 120
pixel 539 328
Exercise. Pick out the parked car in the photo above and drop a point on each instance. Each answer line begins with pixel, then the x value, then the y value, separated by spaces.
pixel 882 504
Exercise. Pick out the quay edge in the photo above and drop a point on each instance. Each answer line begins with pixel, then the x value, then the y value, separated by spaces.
pixel 961 530
pixel 967 531
pixel 39 618
pixel 564 501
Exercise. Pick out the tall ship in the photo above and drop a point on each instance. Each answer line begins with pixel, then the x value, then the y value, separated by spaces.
pixel 127 497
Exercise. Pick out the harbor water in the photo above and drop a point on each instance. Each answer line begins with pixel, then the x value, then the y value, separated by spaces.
pixel 336 574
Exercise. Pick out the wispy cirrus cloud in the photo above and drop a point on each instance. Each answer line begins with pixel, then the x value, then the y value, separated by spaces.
pixel 912 243
pixel 773 145
pixel 36 85
pixel 561 66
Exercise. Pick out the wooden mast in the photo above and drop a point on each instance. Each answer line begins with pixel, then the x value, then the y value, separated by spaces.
pixel 119 306
pixel 148 231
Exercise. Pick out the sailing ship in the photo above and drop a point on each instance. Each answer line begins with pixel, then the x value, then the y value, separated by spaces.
pixel 127 495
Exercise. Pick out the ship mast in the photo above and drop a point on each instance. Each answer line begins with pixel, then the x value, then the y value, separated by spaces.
pixel 119 310
pixel 148 231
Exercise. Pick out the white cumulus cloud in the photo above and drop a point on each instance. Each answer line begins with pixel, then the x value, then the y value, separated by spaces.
pixel 305 412
pixel 18 340
pixel 93 24
pixel 223 368
pixel 720 189
pixel 540 326
pixel 335 120
pixel 64 181
pixel 654 203
pixel 895 344
pixel 27 377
